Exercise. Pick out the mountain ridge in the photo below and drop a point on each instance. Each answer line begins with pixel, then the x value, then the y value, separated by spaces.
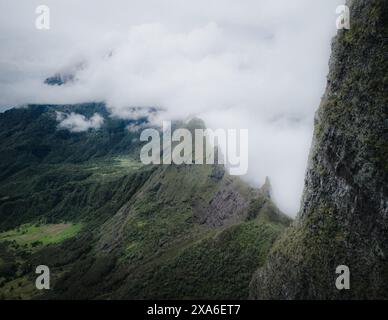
pixel 158 231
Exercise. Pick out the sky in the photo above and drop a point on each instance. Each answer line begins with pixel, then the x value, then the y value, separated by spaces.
pixel 259 65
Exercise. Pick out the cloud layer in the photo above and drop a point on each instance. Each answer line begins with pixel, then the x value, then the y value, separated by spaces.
pixel 75 122
pixel 255 64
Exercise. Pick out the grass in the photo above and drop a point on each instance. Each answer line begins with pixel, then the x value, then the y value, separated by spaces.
pixel 127 163
pixel 111 168
pixel 33 235
pixel 17 289
pixel 218 265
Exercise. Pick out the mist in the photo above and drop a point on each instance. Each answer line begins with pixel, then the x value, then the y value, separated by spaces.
pixel 256 64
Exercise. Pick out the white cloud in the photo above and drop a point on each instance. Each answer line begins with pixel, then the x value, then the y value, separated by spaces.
pixel 75 122
pixel 256 64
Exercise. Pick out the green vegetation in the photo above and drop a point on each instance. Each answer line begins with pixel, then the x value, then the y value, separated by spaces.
pixel 110 227
pixel 342 219
pixel 219 266
pixel 33 235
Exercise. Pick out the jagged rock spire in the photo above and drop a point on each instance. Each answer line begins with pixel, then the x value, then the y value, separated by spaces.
pixel 266 189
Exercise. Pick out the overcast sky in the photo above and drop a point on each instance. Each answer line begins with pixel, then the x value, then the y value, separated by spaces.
pixel 255 64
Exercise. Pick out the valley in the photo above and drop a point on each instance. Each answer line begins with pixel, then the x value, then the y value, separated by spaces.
pixel 109 226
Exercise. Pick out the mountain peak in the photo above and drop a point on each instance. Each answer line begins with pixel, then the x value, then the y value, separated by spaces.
pixel 266 188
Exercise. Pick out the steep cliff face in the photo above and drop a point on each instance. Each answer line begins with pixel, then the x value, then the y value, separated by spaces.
pixel 344 211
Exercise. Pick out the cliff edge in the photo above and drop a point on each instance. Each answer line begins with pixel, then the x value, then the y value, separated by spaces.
pixel 343 218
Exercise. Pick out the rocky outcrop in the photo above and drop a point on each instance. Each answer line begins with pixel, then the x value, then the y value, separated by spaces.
pixel 344 211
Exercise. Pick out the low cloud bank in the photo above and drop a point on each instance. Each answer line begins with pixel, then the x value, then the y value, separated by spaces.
pixel 75 122
pixel 257 64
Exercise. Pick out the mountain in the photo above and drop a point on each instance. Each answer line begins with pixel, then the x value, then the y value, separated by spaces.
pixel 66 76
pixel 108 226
pixel 344 212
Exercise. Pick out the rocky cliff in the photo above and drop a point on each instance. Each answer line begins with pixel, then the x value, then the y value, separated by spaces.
pixel 344 211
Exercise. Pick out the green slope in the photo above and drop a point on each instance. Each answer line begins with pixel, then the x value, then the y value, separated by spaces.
pixel 180 232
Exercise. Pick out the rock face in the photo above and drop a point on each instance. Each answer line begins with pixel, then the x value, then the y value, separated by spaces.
pixel 344 211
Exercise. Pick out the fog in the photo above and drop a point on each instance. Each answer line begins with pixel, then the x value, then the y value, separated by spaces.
pixel 255 64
